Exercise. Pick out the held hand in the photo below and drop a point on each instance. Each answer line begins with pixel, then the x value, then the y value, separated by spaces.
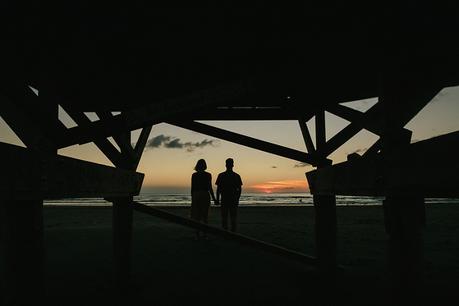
pixel 216 202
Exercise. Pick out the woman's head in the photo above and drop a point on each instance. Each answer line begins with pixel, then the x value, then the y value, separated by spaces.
pixel 200 165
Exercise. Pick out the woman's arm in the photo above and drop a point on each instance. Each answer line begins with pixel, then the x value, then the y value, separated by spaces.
pixel 192 179
pixel 211 190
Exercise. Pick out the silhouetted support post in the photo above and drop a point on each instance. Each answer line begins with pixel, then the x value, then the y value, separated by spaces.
pixel 21 214
pixel 325 221
pixel 122 223
pixel 404 213
pixel 122 240
pixel 325 237
pixel 404 222
pixel 22 251
pixel 325 232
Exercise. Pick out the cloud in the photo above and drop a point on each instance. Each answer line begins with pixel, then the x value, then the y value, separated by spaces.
pixel 171 142
pixel 174 144
pixel 274 167
pixel 157 141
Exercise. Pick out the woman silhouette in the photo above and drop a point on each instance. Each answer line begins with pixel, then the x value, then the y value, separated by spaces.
pixel 201 191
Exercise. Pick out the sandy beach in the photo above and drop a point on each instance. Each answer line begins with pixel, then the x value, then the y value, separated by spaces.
pixel 170 268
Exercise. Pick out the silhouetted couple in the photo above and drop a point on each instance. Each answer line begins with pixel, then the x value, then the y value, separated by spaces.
pixel 229 186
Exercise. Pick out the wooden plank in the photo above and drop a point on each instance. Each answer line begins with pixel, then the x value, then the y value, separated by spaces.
pixel 306 136
pixel 373 149
pixel 245 240
pixel 320 130
pixel 371 120
pixel 157 112
pixel 122 139
pixel 427 168
pixel 339 139
pixel 41 110
pixel 62 177
pixel 32 136
pixel 253 113
pixel 361 119
pixel 141 142
pixel 248 141
pixel 103 144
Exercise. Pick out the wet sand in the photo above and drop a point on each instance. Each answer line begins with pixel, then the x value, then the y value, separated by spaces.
pixel 170 268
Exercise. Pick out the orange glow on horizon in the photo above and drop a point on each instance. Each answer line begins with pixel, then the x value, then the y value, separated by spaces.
pixel 282 186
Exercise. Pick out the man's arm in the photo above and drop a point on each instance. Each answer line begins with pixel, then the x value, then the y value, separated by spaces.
pixel 239 191
pixel 218 194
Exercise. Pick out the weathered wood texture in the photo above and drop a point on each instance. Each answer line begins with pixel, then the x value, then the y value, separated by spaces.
pixel 61 177
pixel 427 168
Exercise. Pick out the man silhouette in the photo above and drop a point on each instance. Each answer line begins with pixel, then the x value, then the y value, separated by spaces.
pixel 229 189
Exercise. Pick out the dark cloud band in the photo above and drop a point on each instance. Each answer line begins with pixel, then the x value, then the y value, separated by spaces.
pixel 175 143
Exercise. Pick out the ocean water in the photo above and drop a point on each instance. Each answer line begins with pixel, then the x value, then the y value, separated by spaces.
pixel 247 199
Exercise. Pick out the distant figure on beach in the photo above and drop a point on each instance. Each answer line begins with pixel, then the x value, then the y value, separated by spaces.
pixel 201 191
pixel 229 187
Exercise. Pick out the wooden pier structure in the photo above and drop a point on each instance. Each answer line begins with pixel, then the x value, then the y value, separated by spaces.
pixel 154 63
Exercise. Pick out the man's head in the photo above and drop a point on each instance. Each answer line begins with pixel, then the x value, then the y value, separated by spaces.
pixel 229 163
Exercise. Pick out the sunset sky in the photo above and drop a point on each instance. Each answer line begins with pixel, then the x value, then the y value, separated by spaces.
pixel 172 152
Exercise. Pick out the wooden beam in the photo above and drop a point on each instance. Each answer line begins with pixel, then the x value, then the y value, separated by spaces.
pixel 427 168
pixel 253 113
pixel 320 130
pixel 62 177
pixel 103 144
pixel 121 139
pixel 141 142
pixel 371 120
pixel 363 120
pixel 157 112
pixel 306 136
pixel 339 139
pixel 23 108
pixel 248 141
pixel 373 149
pixel 32 136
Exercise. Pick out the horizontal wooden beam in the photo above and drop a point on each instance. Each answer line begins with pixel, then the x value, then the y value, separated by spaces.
pixel 427 168
pixel 248 141
pixel 28 175
pixel 31 134
pixel 156 112
pixel 249 113
pixel 33 114
pixel 258 244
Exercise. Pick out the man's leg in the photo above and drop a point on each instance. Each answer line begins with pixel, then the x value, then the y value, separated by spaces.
pixel 233 216
pixel 224 216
